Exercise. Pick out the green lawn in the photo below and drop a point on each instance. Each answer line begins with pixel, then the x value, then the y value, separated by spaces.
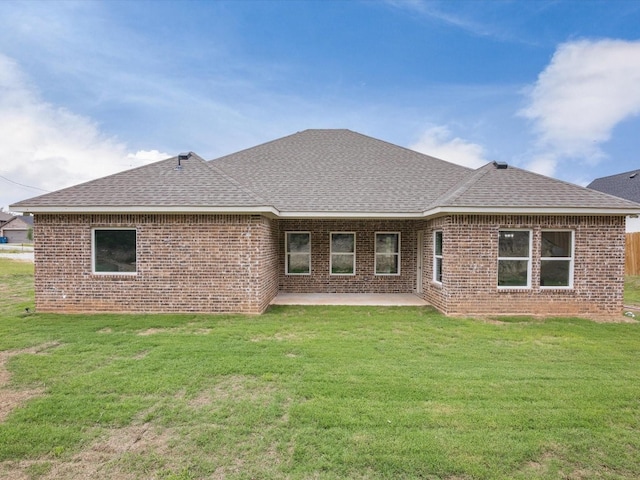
pixel 314 393
pixel 632 291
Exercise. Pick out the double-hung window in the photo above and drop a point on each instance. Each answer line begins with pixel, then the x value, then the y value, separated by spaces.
pixel 556 259
pixel 298 253
pixel 343 253
pixel 387 253
pixel 514 259
pixel 437 256
pixel 114 251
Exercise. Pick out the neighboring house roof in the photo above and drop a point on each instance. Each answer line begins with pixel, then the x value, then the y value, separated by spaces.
pixel 327 173
pixel 5 217
pixel 624 185
pixel 27 219
pixel 22 222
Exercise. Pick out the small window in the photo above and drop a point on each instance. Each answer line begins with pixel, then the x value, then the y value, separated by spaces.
pixel 437 257
pixel 298 253
pixel 343 254
pixel 387 254
pixel 556 259
pixel 514 259
pixel 114 251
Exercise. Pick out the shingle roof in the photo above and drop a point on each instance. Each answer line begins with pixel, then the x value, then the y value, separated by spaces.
pixel 326 172
pixel 489 186
pixel 340 170
pixel 623 185
pixel 161 184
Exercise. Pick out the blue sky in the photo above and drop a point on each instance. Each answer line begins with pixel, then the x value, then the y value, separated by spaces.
pixel 90 88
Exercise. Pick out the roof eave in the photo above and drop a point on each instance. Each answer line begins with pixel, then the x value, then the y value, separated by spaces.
pixel 589 211
pixel 175 209
pixel 273 212
pixel 301 214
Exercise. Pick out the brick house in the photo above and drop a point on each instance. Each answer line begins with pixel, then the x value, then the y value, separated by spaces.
pixel 16 229
pixel 328 211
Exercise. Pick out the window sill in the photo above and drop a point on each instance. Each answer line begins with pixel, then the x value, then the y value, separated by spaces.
pixel 115 276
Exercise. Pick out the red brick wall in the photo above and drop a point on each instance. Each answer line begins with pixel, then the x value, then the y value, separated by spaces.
pixel 235 263
pixel 185 263
pixel 365 280
pixel 471 262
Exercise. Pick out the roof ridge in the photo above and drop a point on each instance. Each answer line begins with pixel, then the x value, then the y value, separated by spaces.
pixel 637 170
pixel 255 146
pixel 407 149
pixel 577 186
pixel 461 187
pixel 251 193
pixel 101 179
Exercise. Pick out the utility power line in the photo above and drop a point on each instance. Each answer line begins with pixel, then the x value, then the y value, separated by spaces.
pixel 23 185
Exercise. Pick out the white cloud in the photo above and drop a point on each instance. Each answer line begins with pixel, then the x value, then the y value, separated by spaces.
pixel 48 147
pixel 148 156
pixel 544 165
pixel 439 142
pixel 587 89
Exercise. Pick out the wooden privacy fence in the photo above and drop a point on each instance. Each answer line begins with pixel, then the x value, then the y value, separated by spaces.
pixel 632 254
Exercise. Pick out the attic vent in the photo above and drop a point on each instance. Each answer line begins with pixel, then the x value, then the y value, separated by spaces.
pixel 633 175
pixel 500 165
pixel 181 157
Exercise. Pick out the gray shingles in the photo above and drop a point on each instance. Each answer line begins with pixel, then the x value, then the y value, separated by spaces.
pixel 340 170
pixel 325 171
pixel 513 187
pixel 623 185
pixel 160 184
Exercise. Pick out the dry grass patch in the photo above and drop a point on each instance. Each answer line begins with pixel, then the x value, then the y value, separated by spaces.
pixel 11 399
pixel 188 329
pixel 116 455
pixel 234 388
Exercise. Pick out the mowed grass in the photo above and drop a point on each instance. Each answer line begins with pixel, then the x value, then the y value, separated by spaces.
pixel 315 393
pixel 632 290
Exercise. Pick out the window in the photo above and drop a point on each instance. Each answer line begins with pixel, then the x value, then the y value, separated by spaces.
pixel 114 251
pixel 343 254
pixel 437 257
pixel 387 253
pixel 556 259
pixel 514 259
pixel 298 253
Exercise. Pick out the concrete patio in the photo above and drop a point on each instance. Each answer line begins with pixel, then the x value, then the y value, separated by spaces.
pixel 372 299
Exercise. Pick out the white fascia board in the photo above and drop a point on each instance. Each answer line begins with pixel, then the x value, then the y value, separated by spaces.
pixel 273 212
pixel 439 211
pixel 353 215
pixel 269 211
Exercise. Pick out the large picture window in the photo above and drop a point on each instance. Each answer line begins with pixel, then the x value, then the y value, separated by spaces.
pixel 387 253
pixel 514 259
pixel 298 253
pixel 343 254
pixel 556 259
pixel 114 251
pixel 437 256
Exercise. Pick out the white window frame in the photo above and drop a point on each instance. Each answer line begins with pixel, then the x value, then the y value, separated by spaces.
pixel 93 250
pixel 396 254
pixel 561 259
pixel 437 256
pixel 527 259
pixel 331 253
pixel 287 253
